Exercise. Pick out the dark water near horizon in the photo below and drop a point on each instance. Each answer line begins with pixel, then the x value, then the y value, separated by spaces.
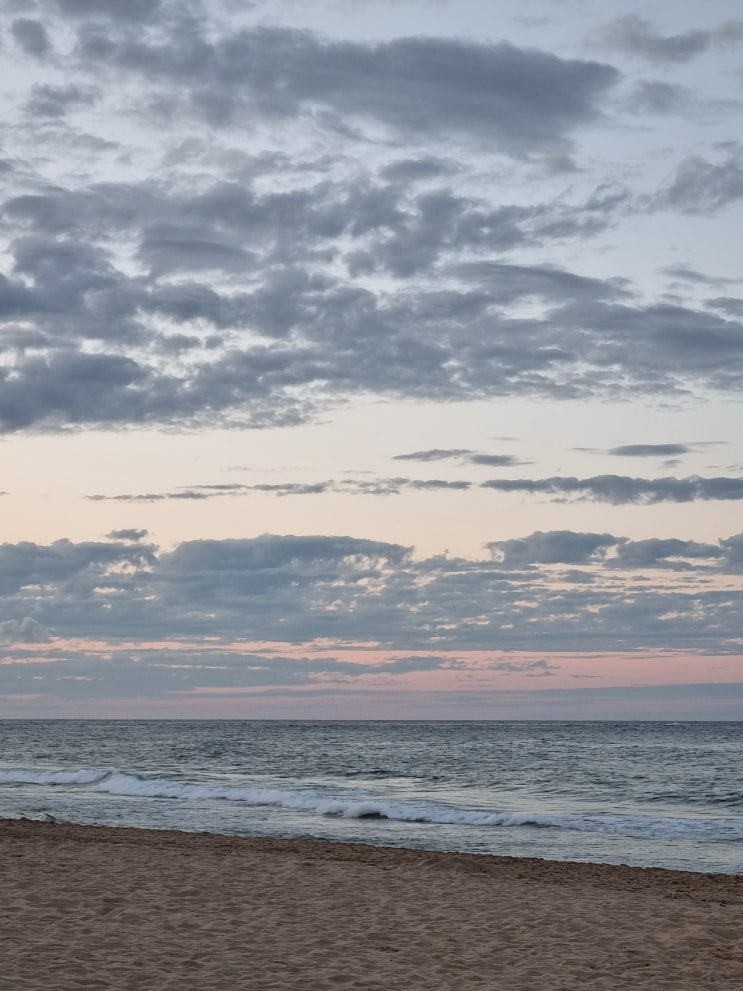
pixel 648 794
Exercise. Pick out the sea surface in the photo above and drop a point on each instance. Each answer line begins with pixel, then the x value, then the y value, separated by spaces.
pixel 647 794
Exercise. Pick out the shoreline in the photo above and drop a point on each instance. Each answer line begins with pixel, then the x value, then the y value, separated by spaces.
pixel 117 907
pixel 535 868
pixel 352 848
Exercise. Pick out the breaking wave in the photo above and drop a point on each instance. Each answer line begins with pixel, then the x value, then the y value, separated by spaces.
pixel 315 801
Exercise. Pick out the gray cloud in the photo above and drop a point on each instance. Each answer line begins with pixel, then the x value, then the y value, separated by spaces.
pixel 520 99
pixel 463 456
pixel 655 97
pixel 655 553
pixel 374 487
pixel 434 454
pixel 199 493
pixel 615 489
pixel 292 488
pixel 733 550
pixel 495 460
pixel 730 305
pixel 554 547
pixel 309 330
pixel 28 564
pixel 194 606
pixel 131 536
pixel 532 669
pixel 32 37
pixel 169 248
pixel 208 225
pixel 185 494
pixel 25 630
pixel 158 673
pixel 56 101
pixel 131 11
pixel 685 273
pixel 437 483
pixel 254 290
pixel 623 490
pixel 700 186
pixel 417 169
pixel 649 450
pixel 636 36
pixel 605 549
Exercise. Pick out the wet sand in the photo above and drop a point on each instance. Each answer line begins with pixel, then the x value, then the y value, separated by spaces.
pixel 94 908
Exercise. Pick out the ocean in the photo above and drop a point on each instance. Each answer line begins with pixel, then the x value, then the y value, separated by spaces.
pixel 648 794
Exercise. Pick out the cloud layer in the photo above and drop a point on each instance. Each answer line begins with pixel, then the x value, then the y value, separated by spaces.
pixel 196 605
pixel 502 256
pixel 340 252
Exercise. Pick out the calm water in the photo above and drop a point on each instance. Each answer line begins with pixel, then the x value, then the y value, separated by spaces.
pixel 649 794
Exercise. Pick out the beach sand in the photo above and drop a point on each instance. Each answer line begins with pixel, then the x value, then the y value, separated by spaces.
pixel 90 907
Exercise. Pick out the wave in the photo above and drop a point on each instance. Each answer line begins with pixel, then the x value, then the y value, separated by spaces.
pixel 373 772
pixel 728 800
pixel 318 802
pixel 21 776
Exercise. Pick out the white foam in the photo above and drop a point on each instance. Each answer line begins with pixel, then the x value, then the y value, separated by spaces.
pixel 318 800
pixel 121 783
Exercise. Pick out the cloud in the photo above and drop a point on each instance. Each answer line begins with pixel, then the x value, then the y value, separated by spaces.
pixel 434 454
pixel 554 547
pixel 656 97
pixel 654 553
pixel 130 536
pixel 374 487
pixel 168 248
pixel 685 273
pixel 495 460
pixel 162 672
pixel 615 489
pixel 703 187
pixel 730 305
pixel 463 456
pixel 733 550
pixel 72 389
pixel 649 450
pixel 130 11
pixel 623 490
pixel 529 594
pixel 279 611
pixel 532 669
pixel 26 564
pixel 56 101
pixel 410 170
pixel 636 36
pixel 509 283
pixel 436 483
pixel 252 352
pixel 231 287
pixel 25 630
pixel 32 37
pixel 519 99
pixel 292 488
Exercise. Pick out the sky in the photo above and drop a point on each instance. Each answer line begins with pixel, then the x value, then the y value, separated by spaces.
pixel 371 359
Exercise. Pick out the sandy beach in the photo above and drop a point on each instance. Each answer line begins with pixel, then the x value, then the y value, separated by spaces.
pixel 90 907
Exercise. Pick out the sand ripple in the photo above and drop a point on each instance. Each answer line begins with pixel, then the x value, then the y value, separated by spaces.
pixel 94 908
